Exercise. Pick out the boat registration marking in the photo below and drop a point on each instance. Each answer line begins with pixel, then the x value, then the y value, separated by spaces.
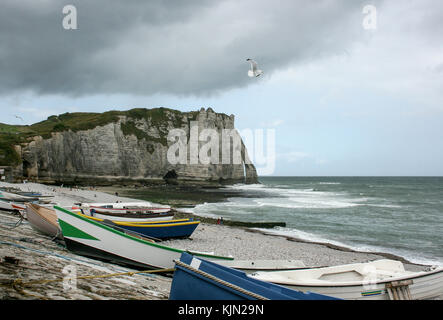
pixel 371 293
pixel 195 263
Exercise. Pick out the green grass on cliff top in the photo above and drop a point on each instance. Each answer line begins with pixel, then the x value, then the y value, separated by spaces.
pixel 11 135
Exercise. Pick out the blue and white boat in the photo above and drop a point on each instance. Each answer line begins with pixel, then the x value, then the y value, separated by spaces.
pixel 172 229
pixel 161 230
pixel 199 279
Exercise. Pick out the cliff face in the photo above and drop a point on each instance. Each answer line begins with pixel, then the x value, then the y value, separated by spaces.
pixel 131 148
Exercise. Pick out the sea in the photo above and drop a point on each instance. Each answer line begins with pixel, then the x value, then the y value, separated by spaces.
pixel 397 215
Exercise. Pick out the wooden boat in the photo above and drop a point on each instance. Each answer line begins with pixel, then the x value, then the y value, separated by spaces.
pixel 5 205
pixel 126 215
pixel 132 217
pixel 130 210
pixel 16 197
pixel 198 279
pixel 166 229
pixel 115 204
pixel 17 201
pixel 11 206
pixel 93 239
pixel 148 221
pixel 377 280
pixel 22 197
pixel 174 230
pixel 43 220
pixel 125 207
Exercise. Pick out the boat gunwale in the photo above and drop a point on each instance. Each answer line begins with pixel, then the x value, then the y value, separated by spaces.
pixel 158 225
pixel 419 274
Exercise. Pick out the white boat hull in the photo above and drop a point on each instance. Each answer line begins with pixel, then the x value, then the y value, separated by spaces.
pixel 423 288
pixel 11 206
pixel 356 282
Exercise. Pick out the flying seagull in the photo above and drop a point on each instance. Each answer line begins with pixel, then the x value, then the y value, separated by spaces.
pixel 18 117
pixel 254 72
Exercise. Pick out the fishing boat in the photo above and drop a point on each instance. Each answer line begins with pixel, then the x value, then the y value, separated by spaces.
pixel 44 220
pixel 175 230
pixel 125 207
pixel 11 205
pixel 377 280
pixel 150 221
pixel 17 200
pixel 5 205
pixel 23 197
pixel 16 197
pixel 199 279
pixel 131 217
pixel 163 229
pixel 90 238
pixel 127 215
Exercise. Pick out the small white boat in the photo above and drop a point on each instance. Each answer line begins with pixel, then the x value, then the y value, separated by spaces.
pixel 377 280
pixel 128 217
pixel 125 211
pixel 5 205
pixel 24 197
pixel 16 197
pixel 12 206
pixel 126 207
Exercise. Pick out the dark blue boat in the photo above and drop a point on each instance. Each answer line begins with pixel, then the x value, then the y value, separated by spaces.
pixel 198 279
pixel 163 231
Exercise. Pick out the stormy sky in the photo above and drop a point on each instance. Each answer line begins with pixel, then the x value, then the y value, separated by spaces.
pixel 343 100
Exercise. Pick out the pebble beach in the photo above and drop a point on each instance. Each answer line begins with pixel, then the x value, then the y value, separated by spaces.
pixel 45 265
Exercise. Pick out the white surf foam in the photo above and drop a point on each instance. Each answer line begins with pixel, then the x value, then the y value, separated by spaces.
pixel 413 257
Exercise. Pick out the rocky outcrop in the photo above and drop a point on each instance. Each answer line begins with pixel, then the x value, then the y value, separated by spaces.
pixel 134 148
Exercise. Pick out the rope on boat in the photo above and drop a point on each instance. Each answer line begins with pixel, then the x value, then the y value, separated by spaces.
pixel 23 292
pixel 227 284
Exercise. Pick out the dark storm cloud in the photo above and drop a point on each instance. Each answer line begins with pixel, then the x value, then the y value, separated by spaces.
pixel 177 47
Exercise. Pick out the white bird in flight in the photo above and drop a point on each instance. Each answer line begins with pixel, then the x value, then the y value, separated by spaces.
pixel 254 72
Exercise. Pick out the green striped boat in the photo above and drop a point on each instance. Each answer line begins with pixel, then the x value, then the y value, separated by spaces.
pixel 89 238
